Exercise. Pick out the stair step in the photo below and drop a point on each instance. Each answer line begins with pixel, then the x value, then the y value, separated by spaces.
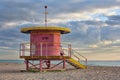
pixel 75 63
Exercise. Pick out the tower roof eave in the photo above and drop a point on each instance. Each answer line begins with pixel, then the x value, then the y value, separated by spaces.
pixel 62 30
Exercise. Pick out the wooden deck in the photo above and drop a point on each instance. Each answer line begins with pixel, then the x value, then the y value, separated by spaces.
pixel 45 57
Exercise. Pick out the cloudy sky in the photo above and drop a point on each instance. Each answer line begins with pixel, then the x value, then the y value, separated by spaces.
pixel 94 24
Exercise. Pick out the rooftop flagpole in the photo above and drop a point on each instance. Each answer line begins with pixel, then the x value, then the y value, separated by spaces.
pixel 45 15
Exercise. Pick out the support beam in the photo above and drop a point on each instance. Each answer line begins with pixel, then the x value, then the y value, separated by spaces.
pixel 40 64
pixel 56 64
pixel 33 65
pixel 27 64
pixel 64 63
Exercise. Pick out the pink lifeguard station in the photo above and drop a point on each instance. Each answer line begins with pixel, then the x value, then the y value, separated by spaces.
pixel 46 51
pixel 45 48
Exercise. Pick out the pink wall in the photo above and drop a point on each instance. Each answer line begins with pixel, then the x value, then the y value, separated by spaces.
pixel 45 43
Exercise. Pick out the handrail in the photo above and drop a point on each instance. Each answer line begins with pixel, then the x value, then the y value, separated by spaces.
pixel 76 52
pixel 76 57
pixel 79 54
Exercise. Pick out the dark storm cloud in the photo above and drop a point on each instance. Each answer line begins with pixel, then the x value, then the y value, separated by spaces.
pixel 110 33
pixel 113 20
pixel 114 17
pixel 12 38
pixel 18 11
pixel 92 22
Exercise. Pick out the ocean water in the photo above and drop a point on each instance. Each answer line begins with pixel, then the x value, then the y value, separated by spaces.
pixel 103 63
pixel 89 63
pixel 12 61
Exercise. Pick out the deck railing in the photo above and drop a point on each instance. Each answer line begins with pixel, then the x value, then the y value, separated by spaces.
pixel 43 49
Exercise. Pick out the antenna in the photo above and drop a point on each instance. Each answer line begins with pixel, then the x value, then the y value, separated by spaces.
pixel 45 15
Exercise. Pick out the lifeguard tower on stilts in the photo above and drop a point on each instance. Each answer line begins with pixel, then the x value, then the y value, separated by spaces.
pixel 45 50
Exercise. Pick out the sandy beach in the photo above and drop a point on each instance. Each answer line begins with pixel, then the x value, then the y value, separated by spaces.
pixel 12 71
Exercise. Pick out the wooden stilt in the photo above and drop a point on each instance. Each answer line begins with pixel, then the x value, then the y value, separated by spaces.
pixel 40 64
pixel 64 63
pixel 27 64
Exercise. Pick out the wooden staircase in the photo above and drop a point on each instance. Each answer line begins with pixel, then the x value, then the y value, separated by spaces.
pixel 77 60
pixel 76 64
